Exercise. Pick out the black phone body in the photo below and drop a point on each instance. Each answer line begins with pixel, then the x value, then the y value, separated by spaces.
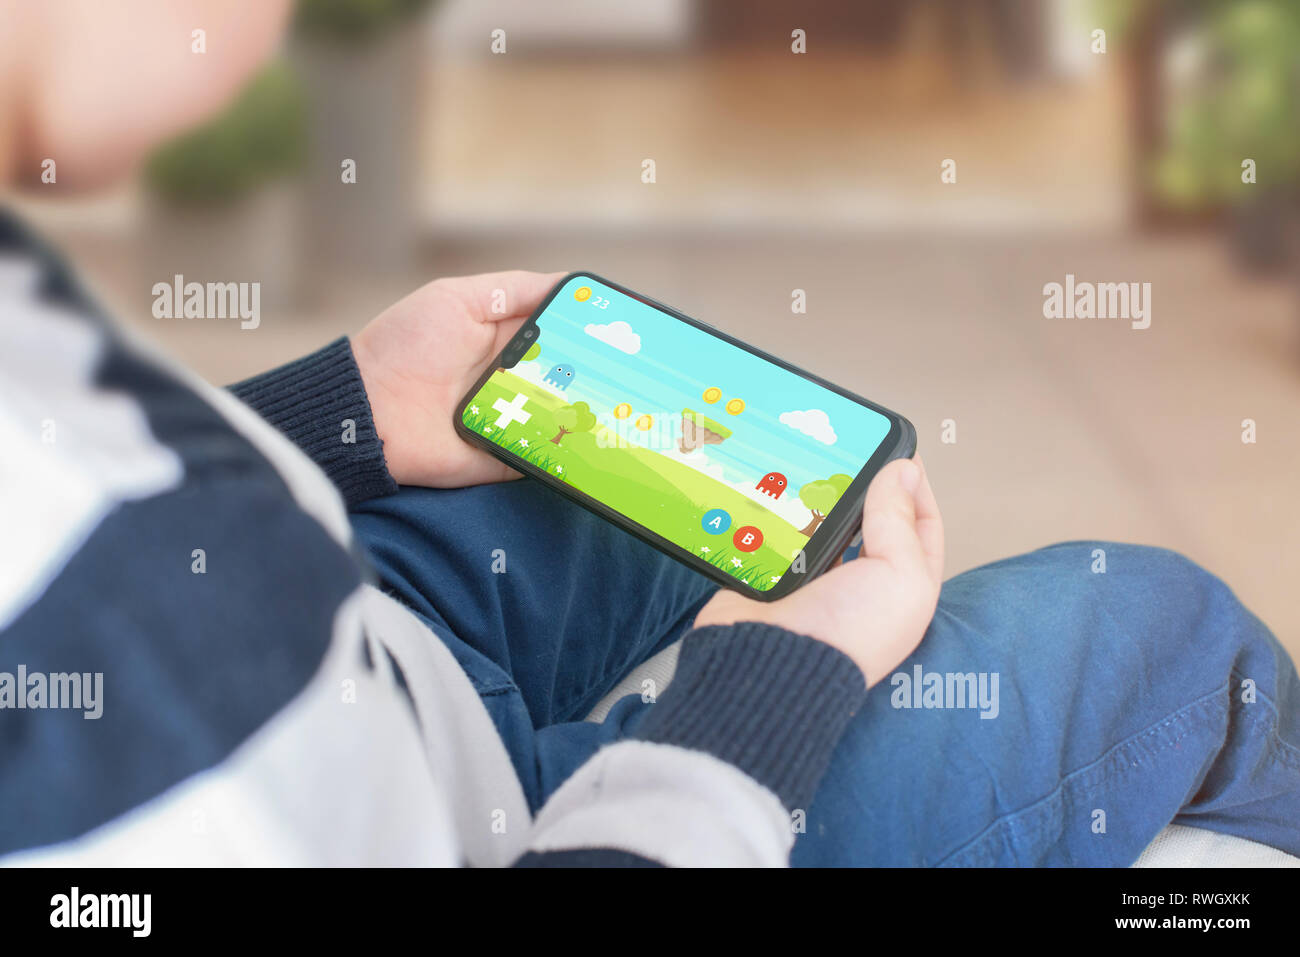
pixel 760 499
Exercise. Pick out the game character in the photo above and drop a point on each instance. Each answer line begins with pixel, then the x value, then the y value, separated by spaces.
pixel 773 484
pixel 561 376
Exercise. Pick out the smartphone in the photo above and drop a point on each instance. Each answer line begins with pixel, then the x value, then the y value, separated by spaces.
pixel 742 466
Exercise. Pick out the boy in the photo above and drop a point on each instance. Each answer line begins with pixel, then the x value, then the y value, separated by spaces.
pixel 208 559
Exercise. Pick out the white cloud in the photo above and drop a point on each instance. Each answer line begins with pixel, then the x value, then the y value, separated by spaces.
pixel 812 422
pixel 699 461
pixel 534 371
pixel 617 334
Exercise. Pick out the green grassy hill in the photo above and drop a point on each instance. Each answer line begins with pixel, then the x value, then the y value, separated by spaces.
pixel 661 493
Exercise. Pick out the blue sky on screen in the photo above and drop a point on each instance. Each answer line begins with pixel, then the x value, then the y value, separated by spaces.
pixel 631 352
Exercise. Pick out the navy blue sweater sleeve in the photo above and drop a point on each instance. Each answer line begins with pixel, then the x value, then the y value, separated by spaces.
pixel 769 701
pixel 312 400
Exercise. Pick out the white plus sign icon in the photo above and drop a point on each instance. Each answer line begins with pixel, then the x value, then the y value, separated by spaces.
pixel 512 411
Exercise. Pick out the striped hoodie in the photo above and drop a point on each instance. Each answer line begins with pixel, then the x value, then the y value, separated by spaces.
pixel 195 668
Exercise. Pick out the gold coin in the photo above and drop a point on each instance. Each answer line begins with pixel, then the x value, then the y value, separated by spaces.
pixel 735 406
pixel 712 395
pixel 622 410
pixel 645 422
pixel 582 293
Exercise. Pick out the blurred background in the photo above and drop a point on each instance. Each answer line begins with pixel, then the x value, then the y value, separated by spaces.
pixel 493 134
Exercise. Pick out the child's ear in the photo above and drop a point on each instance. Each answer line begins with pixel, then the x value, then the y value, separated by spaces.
pixel 106 88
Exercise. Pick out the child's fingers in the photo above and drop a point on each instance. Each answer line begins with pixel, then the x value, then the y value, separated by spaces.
pixel 889 518
pixel 509 295
pixel 929 523
pixel 504 331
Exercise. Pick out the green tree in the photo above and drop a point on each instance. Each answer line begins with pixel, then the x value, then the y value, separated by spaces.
pixel 260 138
pixel 819 497
pixel 573 418
pixel 354 21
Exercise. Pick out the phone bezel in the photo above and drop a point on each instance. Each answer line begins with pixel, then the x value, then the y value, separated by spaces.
pixel 832 536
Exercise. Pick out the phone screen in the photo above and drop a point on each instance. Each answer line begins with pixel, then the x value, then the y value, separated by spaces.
pixel 728 455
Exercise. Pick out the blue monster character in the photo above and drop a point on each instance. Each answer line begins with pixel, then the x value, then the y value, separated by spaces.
pixel 561 376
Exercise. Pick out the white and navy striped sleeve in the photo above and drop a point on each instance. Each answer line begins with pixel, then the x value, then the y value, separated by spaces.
pixel 718 772
pixel 185 674
pixel 260 704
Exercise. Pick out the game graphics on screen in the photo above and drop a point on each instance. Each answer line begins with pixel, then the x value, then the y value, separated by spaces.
pixel 722 452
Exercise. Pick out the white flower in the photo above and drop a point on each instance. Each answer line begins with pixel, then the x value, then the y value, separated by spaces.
pixel 559 468
pixel 736 563
pixel 705 549
pixel 776 578
pixel 473 410
pixel 487 430
pixel 524 443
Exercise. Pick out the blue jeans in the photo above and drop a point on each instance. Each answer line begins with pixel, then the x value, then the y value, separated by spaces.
pixel 1126 699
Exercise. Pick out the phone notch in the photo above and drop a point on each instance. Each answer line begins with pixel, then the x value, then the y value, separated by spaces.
pixel 524 340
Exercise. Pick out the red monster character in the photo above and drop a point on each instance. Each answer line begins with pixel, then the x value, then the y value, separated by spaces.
pixel 773 484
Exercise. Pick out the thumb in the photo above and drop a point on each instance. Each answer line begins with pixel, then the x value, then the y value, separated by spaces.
pixel 889 517
pixel 521 291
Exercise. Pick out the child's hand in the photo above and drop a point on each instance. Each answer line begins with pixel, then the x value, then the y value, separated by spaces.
pixel 420 356
pixel 876 608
